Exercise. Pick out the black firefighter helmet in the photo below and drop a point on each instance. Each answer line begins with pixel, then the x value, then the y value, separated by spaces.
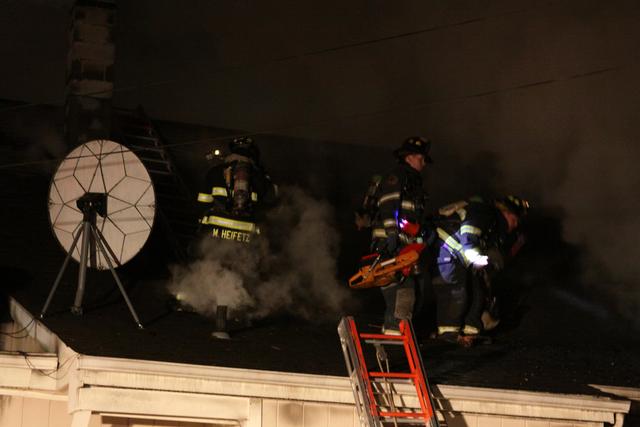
pixel 414 145
pixel 245 146
pixel 515 204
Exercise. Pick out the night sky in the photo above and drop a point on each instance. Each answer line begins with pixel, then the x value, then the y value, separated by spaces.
pixel 537 98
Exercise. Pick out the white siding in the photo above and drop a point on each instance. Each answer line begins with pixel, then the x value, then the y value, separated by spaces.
pixel 58 414
pixel 290 414
pixel 315 416
pixel 343 416
pixel 11 411
pixel 29 412
pixel 35 413
pixel 307 414
pixel 269 413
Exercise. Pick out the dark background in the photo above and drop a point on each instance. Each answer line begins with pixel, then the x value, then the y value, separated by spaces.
pixel 536 98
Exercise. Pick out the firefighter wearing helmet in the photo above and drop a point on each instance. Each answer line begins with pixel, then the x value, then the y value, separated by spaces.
pixel 474 239
pixel 235 190
pixel 401 203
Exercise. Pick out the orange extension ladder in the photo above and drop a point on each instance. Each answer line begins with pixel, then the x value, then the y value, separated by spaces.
pixel 385 398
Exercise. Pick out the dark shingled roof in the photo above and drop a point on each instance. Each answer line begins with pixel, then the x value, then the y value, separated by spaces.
pixel 547 344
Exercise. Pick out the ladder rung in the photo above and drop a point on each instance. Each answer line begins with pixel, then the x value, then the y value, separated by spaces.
pixel 402 414
pixel 383 407
pixel 405 421
pixel 153 148
pixel 380 403
pixel 392 380
pixel 149 159
pixel 384 342
pixel 376 374
pixel 151 155
pixel 383 337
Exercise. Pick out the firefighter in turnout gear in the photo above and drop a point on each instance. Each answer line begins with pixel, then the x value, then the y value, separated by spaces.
pixel 474 236
pixel 235 192
pixel 401 204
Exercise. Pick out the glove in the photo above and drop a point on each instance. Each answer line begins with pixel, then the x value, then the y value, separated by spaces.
pixel 476 258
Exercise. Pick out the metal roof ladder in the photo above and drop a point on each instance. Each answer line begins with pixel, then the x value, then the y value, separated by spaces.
pixel 176 203
pixel 382 397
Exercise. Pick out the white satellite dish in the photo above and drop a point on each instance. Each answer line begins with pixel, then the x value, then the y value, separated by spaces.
pixel 104 166
pixel 103 193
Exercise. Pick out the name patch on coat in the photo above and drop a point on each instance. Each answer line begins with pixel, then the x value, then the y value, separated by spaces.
pixel 223 233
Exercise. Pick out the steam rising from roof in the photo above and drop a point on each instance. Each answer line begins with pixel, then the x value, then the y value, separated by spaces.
pixel 290 268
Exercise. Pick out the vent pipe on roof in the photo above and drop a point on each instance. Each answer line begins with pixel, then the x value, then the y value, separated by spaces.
pixel 221 323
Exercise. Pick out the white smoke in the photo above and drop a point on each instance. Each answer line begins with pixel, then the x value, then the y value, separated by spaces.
pixel 290 268
pixel 217 278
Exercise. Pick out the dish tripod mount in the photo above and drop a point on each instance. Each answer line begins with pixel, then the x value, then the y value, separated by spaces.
pixel 91 205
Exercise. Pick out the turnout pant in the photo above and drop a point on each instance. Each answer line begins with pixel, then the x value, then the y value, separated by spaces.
pixel 399 298
pixel 459 296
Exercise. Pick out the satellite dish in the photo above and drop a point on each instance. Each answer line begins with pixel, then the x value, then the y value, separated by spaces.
pixel 103 167
pixel 101 209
